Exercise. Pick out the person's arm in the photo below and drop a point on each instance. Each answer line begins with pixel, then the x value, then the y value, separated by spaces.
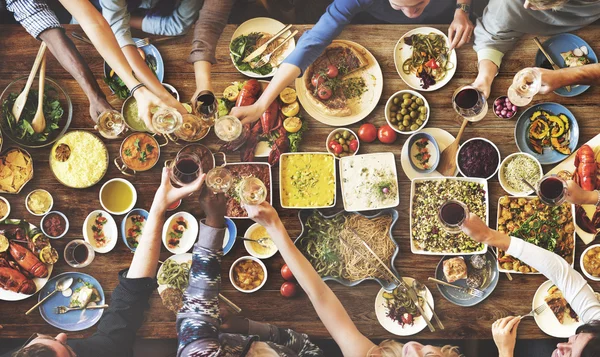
pixel 584 75
pixel 175 24
pixel 310 46
pixel 329 308
pixel 461 28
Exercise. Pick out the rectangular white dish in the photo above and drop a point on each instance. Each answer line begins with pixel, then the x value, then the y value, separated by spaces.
pixel 281 193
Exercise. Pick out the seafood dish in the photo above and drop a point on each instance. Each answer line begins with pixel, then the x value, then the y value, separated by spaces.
pixel 240 171
pixel 559 306
pixel 552 228
pixel 85 295
pixel 586 176
pixel 576 57
pixel 549 130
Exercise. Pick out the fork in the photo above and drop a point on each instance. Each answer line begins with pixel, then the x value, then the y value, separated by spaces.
pixel 471 291
pixel 538 310
pixel 65 309
pixel 266 58
pixel 146 41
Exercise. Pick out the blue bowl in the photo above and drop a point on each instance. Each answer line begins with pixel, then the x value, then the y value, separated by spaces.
pixel 142 212
pixel 411 141
pixel 229 241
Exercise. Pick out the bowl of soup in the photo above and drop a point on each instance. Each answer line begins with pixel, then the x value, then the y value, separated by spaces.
pixel 424 152
pixel 255 232
pixel 139 152
pixel 131 115
pixel 118 196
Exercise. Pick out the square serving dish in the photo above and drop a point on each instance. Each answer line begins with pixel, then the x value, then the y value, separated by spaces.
pixel 287 156
pixel 270 196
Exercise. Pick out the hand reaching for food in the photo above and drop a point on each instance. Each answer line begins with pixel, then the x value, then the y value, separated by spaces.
pixel 248 114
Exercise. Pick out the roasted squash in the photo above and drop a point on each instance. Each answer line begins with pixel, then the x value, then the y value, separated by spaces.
pixel 558 126
pixel 539 129
pixel 536 146
pixel 565 120
pixel 535 115
pixel 560 147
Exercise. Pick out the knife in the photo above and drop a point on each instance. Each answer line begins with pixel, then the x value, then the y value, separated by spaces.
pixel 257 52
pixel 554 65
pixel 467 291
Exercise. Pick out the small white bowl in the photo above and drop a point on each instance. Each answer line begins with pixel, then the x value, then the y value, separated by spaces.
pixel 39 214
pixel 189 235
pixel 503 182
pixel 110 231
pixel 66 224
pixel 588 275
pixel 172 90
pixel 249 247
pixel 264 268
pixel 486 140
pixel 339 130
pixel 133 201
pixel 8 209
pixel 389 104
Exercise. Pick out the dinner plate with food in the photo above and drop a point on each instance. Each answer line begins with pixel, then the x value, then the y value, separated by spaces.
pixel 132 227
pixel 567 51
pixel 260 170
pixel 21 278
pixel 342 86
pixel 180 232
pixel 307 180
pixel 85 292
pixel 548 227
pixel 173 279
pixel 469 271
pixel 250 36
pixel 410 153
pixel 398 314
pixel 100 231
pixel 16 170
pixel 558 319
pixel 547 131
pixel 423 59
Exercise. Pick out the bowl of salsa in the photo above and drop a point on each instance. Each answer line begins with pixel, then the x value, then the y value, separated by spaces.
pixel 55 224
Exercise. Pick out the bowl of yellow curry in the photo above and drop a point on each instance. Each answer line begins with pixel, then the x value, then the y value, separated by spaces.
pixel 261 251
pixel 307 180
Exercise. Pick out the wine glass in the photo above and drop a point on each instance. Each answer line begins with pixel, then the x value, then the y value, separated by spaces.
pixel 470 103
pixel 552 190
pixel 206 107
pixel 526 84
pixel 219 179
pixel 166 120
pixel 252 191
pixel 192 128
pixel 185 169
pixel 228 128
pixel 452 215
pixel 110 124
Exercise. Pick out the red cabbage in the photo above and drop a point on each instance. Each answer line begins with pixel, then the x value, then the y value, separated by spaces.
pixel 478 158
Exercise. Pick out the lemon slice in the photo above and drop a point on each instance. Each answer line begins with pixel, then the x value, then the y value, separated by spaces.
pixel 231 93
pixel 40 240
pixel 187 107
pixel 3 243
pixel 291 110
pixel 48 255
pixel 288 95
pixel 292 125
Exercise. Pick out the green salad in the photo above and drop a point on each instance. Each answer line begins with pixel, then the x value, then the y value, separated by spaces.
pixel 117 85
pixel 244 45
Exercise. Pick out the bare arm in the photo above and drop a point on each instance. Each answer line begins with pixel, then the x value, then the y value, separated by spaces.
pixel 552 80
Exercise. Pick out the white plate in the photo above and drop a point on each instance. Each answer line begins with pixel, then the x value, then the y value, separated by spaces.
pixel 361 107
pixel 189 235
pixel 110 231
pixel 266 25
pixel 546 321
pixel 392 326
pixel 179 258
pixel 387 160
pixel 284 155
pixel 443 138
pixel 403 51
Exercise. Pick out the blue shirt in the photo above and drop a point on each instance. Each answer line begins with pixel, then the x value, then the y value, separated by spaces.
pixel 340 13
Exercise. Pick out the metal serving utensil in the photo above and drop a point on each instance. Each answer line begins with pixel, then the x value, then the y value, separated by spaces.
pixel 261 241
pixel 65 309
pixel 554 65
pixel 61 285
pixel 538 310
pixel 259 51
pixel 266 58
pixel 471 291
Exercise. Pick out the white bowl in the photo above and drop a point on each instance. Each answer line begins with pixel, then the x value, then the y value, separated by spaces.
pixel 132 201
pixel 8 210
pixel 264 268
pixel 389 103
pixel 189 235
pixel 503 182
pixel 251 250
pixel 332 134
pixel 66 225
pixel 110 231
pixel 493 145
pixel 588 275
pixel 39 214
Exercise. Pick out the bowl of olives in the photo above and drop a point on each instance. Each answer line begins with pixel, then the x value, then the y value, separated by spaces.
pixel 342 142
pixel 407 112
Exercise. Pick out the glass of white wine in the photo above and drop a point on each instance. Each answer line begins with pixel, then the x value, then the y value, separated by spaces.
pixel 228 128
pixel 110 124
pixel 252 191
pixel 219 180
pixel 166 120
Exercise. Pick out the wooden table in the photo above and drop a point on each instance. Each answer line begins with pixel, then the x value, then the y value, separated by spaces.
pixel 509 298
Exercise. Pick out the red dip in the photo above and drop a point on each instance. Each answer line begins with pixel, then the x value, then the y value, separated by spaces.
pixel 478 158
pixel 54 225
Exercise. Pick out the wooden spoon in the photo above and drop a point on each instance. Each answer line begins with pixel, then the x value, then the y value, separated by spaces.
pixel 17 108
pixel 447 165
pixel 39 121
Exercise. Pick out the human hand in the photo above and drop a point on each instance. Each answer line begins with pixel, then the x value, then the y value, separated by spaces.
pixel 166 194
pixel 504 332
pixel 550 80
pixel 146 100
pixel 248 114
pixel 476 228
pixel 173 102
pixel 99 106
pixel 263 214
pixel 460 30
pixel 578 196
pixel 214 206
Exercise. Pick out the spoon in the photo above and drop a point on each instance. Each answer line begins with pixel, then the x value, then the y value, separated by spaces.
pixel 61 285
pixel 260 241
pixel 421 290
pixel 447 164
pixel 17 108
pixel 39 121
pixel 528 184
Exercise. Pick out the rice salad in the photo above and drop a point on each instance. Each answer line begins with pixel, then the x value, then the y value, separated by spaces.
pixel 520 167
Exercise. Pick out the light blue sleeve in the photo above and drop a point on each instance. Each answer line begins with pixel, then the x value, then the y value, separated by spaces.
pixel 330 25
pixel 116 14
pixel 178 23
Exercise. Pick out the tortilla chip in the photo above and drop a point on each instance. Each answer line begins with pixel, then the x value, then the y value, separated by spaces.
pixel 17 158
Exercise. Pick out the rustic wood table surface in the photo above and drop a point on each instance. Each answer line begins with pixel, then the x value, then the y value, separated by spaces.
pixel 509 298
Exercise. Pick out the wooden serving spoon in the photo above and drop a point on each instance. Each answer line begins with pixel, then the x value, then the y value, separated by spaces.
pixel 447 165
pixel 17 108
pixel 39 121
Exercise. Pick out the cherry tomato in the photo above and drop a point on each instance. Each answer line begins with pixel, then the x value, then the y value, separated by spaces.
pixel 432 64
pixel 386 134
pixel 337 148
pixel 317 80
pixel 286 273
pixel 332 71
pixel 324 92
pixel 353 145
pixel 407 318
pixel 367 132
pixel 289 289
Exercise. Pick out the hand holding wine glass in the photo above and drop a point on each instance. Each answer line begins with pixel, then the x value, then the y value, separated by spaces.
pixel 167 194
pixel 185 169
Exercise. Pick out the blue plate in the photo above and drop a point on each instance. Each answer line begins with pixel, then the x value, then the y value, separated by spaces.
pixel 232 234
pixel 74 320
pixel 141 212
pixel 563 43
pixel 549 155
pixel 465 300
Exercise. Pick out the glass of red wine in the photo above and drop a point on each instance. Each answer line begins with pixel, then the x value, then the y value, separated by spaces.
pixel 552 190
pixel 185 169
pixel 452 215
pixel 470 103
pixel 79 253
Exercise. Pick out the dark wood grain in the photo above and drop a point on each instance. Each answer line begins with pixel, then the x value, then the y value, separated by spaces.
pixel 509 298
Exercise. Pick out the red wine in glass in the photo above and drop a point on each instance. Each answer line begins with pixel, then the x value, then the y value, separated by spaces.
pixel 452 214
pixel 469 103
pixel 79 253
pixel 551 190
pixel 186 169
pixel 467 98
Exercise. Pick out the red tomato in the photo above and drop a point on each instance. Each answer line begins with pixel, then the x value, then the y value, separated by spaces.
pixel 367 132
pixel 289 289
pixel 286 273
pixel 353 145
pixel 336 148
pixel 324 92
pixel 386 134
pixel 332 71
pixel 317 80
pixel 432 64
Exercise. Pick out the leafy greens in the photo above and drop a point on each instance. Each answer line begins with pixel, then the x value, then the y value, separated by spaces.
pixel 244 45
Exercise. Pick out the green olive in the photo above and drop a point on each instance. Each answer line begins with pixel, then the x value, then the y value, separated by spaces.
pixel 337 136
pixel 406 102
pixel 406 96
pixel 351 137
pixel 398 117
pixel 404 111
pixel 345 148
pixel 393 120
pixel 419 101
pixel 419 122
pixel 394 108
pixel 414 114
pixel 414 127
pixel 345 134
pixel 414 97
pixel 406 123
pixel 406 117
pixel 414 106
pixel 401 127
pixel 341 141
pixel 422 116
pixel 396 100
pixel 423 110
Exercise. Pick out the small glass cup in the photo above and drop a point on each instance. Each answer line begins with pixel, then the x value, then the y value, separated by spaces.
pixel 552 190
pixel 451 215
pixel 185 169
pixel 79 253
pixel 110 124
pixel 219 180
pixel 470 103
pixel 252 191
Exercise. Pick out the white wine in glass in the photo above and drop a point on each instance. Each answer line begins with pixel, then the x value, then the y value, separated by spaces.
pixel 526 84
pixel 110 124
pixel 252 191
pixel 219 180
pixel 228 128
pixel 166 120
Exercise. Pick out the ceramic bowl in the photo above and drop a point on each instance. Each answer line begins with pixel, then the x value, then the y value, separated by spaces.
pixel 435 155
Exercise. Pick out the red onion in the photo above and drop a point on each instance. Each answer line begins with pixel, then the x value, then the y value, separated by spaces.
pixel 503 108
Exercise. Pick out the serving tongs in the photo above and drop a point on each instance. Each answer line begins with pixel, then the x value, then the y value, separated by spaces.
pixel 554 65
pixel 259 51
pixel 401 284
